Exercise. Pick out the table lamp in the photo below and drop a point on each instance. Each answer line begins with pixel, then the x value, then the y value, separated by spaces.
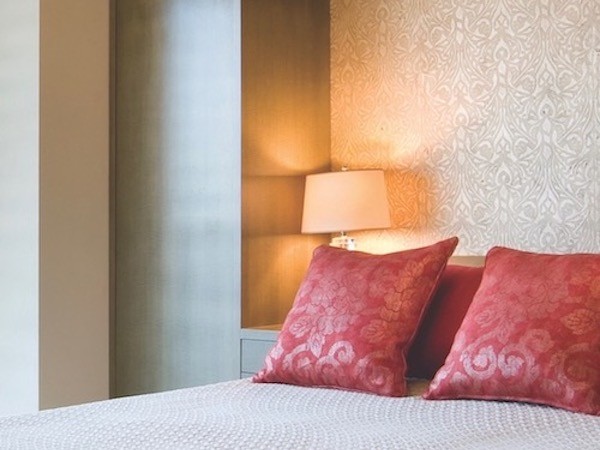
pixel 345 201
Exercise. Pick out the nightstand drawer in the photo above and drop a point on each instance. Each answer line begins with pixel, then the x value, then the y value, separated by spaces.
pixel 255 343
pixel 253 354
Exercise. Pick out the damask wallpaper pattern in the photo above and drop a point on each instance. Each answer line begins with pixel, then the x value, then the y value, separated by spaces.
pixel 484 114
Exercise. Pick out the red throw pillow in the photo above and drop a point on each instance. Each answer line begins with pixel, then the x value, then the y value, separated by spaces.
pixel 446 312
pixel 353 318
pixel 531 334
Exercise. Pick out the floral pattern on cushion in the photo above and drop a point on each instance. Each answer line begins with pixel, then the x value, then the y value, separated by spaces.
pixel 531 334
pixel 353 318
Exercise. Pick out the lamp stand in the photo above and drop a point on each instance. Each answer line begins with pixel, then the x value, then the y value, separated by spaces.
pixel 343 241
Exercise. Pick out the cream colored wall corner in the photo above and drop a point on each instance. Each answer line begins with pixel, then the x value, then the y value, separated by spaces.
pixel 485 116
pixel 74 202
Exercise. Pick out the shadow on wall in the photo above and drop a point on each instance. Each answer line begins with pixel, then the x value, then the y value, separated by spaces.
pixel 275 254
pixel 272 205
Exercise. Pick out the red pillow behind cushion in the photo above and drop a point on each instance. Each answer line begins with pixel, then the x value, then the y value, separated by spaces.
pixel 353 318
pixel 446 312
pixel 531 334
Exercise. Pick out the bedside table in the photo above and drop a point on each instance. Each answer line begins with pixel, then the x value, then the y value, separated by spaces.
pixel 255 343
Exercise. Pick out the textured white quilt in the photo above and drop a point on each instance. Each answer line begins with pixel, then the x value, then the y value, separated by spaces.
pixel 243 415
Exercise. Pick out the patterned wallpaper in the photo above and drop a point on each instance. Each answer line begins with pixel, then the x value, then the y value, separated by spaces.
pixel 484 114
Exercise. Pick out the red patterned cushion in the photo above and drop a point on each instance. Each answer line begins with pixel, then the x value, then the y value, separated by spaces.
pixel 353 318
pixel 532 334
pixel 444 316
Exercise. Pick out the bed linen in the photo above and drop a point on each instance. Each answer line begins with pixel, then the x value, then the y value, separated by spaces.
pixel 241 414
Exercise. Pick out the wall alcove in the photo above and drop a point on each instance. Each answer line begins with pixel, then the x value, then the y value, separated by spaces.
pixel 286 135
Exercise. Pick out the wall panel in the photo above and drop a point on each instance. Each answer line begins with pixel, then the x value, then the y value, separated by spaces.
pixel 74 199
pixel 177 193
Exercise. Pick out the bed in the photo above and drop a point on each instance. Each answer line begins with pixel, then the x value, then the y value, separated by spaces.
pixel 508 357
pixel 241 414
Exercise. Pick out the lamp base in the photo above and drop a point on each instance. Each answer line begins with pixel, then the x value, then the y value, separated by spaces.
pixel 343 241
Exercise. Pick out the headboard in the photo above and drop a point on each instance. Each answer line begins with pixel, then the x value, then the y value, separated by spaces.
pixel 474 261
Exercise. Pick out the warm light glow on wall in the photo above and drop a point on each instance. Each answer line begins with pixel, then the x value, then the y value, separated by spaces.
pixel 284 150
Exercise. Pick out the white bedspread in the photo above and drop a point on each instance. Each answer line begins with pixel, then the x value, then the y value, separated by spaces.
pixel 243 415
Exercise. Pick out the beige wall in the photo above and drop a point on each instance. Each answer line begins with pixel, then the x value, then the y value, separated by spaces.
pixel 19 130
pixel 74 199
pixel 484 115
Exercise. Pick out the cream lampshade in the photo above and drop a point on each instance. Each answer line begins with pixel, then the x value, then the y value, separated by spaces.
pixel 345 201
